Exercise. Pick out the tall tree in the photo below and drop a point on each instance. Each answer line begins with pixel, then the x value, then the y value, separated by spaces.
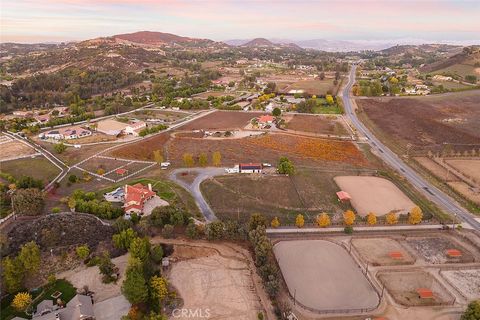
pixel 217 158
pixel 203 159
pixel 30 258
pixel 300 221
pixel 135 286
pixel 349 217
pixel 28 201
pixel 415 216
pixel 323 220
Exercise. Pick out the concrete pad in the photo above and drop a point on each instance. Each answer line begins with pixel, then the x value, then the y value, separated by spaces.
pixel 111 309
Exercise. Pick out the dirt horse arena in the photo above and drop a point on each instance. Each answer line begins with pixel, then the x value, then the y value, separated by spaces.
pixel 382 251
pixel 404 286
pixel 434 249
pixel 323 277
pixel 373 194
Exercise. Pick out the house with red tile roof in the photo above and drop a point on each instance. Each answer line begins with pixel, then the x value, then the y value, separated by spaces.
pixel 136 196
pixel 265 119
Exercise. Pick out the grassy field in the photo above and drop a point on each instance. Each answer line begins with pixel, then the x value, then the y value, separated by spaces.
pixel 459 69
pixel 38 168
pixel 309 191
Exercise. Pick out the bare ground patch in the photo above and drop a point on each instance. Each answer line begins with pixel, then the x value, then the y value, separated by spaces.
pixel 15 149
pixel 467 282
pixel 221 284
pixel 91 277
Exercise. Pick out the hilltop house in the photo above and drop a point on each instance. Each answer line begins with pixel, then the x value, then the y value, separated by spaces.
pixel 136 196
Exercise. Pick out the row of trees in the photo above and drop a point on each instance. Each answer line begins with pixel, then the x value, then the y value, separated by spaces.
pixel 323 220
pixel 202 159
pixel 152 130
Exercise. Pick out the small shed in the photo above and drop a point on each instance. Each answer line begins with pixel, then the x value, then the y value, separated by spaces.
pixel 343 196
pixel 454 253
pixel 121 171
pixel 397 255
pixel 425 293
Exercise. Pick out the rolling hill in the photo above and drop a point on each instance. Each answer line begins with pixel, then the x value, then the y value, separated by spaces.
pixel 157 38
pixel 462 64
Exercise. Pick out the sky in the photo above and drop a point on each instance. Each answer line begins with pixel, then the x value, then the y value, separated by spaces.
pixel 32 21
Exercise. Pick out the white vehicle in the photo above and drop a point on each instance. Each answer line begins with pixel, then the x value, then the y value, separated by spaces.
pixel 232 170
pixel 165 164
pixel 267 165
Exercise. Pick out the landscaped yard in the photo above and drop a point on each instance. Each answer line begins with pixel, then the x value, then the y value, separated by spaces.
pixel 44 293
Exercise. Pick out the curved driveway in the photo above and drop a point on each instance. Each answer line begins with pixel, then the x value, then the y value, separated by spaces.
pixel 431 192
pixel 194 187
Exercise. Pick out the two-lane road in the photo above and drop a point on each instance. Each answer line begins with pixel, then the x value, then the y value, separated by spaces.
pixel 431 192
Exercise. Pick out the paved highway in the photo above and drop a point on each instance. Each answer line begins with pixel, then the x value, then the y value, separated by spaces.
pixel 434 194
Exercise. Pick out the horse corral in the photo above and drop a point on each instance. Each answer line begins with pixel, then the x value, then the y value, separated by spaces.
pixel 415 288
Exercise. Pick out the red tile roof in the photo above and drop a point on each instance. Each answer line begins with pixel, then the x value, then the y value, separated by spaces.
pixel 136 195
pixel 396 255
pixel 425 293
pixel 454 253
pixel 342 195
pixel 121 171
pixel 265 119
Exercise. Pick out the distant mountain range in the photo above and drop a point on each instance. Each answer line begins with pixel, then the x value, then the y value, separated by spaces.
pixel 154 39
pixel 345 46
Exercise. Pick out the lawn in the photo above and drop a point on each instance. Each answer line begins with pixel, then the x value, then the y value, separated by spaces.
pixel 68 292
pixel 323 108
pixel 38 168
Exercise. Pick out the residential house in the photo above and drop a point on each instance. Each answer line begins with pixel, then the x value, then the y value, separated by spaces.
pixel 79 308
pixel 22 114
pixel 265 119
pixel 134 127
pixel 136 196
pixel 66 133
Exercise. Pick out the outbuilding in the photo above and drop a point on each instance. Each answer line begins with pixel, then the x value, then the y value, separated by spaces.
pixel 250 167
